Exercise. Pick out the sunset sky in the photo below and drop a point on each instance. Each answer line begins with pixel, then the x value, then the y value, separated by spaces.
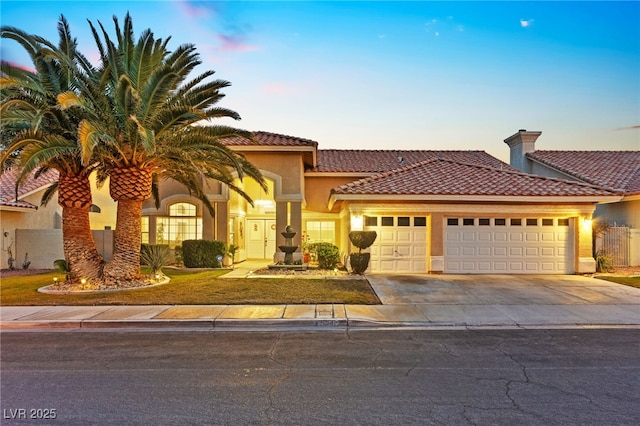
pixel 410 75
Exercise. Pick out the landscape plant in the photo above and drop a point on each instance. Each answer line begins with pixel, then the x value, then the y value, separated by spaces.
pixel 327 254
pixel 156 256
pixel 363 240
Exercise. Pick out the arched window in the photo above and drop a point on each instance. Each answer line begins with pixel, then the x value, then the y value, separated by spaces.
pixel 181 224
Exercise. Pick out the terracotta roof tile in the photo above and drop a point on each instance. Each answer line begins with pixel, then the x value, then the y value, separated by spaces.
pixel 446 177
pixel 618 170
pixel 271 139
pixel 376 161
pixel 8 187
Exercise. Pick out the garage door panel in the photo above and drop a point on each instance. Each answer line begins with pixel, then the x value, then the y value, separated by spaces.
pixel 504 248
pixel 387 250
pixel 484 236
pixel 400 249
pixel 484 251
pixel 403 250
pixel 500 236
pixel 403 237
pixel 499 251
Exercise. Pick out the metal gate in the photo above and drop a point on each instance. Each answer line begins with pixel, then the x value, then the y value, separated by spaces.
pixel 616 243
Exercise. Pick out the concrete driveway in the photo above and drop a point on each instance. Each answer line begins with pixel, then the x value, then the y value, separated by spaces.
pixel 503 300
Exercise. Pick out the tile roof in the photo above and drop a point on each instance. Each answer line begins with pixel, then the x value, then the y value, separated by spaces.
pixel 618 170
pixel 446 177
pixel 8 187
pixel 270 139
pixel 377 161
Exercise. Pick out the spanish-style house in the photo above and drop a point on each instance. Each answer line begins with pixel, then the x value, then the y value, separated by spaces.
pixel 435 211
pixel 618 171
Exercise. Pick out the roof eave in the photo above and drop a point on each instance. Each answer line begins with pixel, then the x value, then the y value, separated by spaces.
pixel 475 198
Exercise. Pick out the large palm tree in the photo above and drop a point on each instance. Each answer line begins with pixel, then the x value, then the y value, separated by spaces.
pixel 40 136
pixel 144 125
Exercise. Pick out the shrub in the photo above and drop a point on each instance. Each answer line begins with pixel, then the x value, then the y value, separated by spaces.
pixel 155 255
pixel 202 253
pixel 359 262
pixel 362 239
pixel 604 261
pixel 328 255
pixel 177 253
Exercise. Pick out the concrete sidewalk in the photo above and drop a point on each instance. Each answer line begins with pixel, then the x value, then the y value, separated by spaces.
pixel 426 301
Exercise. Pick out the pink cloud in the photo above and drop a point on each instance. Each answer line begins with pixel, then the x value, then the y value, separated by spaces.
pixel 234 43
pixel 22 67
pixel 193 10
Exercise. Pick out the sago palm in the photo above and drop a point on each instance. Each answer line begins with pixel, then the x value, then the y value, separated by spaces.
pixel 143 125
pixel 40 136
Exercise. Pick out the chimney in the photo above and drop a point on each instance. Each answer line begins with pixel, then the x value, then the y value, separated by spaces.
pixel 520 144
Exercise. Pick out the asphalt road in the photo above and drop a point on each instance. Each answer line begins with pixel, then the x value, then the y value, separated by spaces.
pixel 347 377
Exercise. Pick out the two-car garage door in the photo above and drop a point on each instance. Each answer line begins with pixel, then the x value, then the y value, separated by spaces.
pixel 474 245
pixel 508 246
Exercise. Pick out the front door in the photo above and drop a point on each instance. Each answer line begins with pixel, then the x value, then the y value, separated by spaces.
pixel 261 238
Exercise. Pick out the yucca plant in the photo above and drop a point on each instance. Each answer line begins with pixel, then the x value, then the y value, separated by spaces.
pixel 155 256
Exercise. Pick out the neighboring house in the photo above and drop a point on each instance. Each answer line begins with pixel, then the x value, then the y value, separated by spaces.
pixel 617 171
pixel 434 211
pixel 28 227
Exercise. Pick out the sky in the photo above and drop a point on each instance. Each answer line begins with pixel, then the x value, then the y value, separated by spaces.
pixel 447 75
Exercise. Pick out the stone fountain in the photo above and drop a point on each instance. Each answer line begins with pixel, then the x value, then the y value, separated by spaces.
pixel 288 248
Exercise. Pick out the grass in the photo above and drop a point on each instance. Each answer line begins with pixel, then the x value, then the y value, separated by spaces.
pixel 630 281
pixel 196 288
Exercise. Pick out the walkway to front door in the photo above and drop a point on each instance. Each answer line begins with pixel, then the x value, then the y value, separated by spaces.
pixel 261 238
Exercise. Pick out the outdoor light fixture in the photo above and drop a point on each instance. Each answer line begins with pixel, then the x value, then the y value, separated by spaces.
pixel 83 281
pixel 357 222
pixel 55 279
pixel 586 224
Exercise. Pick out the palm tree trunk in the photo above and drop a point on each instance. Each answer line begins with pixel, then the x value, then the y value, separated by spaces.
pixel 125 263
pixel 83 259
pixel 130 187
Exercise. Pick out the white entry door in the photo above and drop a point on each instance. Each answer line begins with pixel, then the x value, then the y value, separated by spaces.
pixel 261 238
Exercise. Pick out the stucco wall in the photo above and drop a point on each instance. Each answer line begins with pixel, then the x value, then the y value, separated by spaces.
pixel 625 213
pixel 43 245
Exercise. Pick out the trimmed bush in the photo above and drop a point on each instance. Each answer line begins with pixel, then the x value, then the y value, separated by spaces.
pixel 328 254
pixel 362 239
pixel 202 253
pixel 359 262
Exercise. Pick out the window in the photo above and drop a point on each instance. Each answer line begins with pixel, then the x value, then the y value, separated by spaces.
pixel 94 209
pixel 532 222
pixel 181 224
pixel 371 221
pixel 452 221
pixel 145 229
pixel 387 220
pixel 484 222
pixel 468 222
pixel 516 222
pixel 563 222
pixel 547 222
pixel 404 221
pixel 419 221
pixel 321 231
pixel 500 222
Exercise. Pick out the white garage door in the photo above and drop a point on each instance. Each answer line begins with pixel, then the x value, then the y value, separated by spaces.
pixel 509 246
pixel 401 245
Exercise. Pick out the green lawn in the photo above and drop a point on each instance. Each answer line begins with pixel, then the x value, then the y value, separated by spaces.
pixel 197 288
pixel 630 281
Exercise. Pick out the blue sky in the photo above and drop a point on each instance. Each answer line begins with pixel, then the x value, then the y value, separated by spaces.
pixel 410 75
